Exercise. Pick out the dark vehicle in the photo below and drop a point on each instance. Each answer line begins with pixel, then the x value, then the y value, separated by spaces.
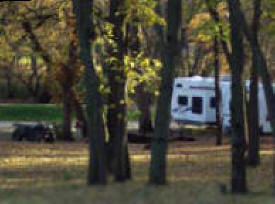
pixel 33 133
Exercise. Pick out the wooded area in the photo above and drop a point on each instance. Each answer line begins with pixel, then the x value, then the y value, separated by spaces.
pixel 100 59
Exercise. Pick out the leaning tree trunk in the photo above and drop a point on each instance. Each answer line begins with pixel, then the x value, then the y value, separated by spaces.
pixel 262 69
pixel 45 96
pixel 238 182
pixel 217 92
pixel 117 99
pixel 161 133
pixel 97 165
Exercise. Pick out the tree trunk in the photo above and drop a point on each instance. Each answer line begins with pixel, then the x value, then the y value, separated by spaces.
pixel 97 164
pixel 215 16
pixel 8 82
pixel 117 110
pixel 143 98
pixel 35 77
pixel 144 101
pixel 45 96
pixel 79 113
pixel 238 182
pixel 262 69
pixel 217 91
pixel 254 136
pixel 67 110
pixel 198 57
pixel 161 133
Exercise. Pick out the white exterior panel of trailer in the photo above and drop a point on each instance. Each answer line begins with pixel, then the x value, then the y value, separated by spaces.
pixel 193 101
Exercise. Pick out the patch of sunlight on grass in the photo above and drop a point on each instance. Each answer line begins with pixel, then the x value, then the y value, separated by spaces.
pixel 267 152
pixel 25 162
pixel 208 148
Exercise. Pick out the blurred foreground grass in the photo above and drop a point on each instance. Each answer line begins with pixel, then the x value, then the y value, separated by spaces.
pixel 40 112
pixel 44 173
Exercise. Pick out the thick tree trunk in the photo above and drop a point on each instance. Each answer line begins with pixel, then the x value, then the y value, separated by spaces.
pixel 217 91
pixel 97 163
pixel 117 110
pixel 161 133
pixel 238 182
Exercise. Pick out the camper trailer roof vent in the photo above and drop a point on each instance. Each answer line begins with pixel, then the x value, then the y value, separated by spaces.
pixel 197 78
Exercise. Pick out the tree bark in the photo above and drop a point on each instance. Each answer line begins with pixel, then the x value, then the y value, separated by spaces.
pixel 97 164
pixel 238 182
pixel 143 98
pixel 217 91
pixel 117 110
pixel 144 101
pixel 254 135
pixel 215 16
pixel 161 133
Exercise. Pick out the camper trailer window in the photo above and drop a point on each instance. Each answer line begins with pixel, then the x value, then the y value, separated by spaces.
pixel 183 100
pixel 179 85
pixel 197 105
pixel 212 102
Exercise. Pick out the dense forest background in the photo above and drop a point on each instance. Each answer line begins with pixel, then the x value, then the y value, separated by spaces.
pixel 35 44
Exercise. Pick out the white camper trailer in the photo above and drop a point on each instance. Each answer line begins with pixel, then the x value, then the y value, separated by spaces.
pixel 193 102
pixel 264 122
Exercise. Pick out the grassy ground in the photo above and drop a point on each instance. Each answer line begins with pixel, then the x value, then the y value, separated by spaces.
pixel 39 112
pixel 55 173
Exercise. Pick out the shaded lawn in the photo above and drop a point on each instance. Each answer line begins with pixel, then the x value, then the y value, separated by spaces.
pixel 30 112
pixel 44 173
pixel 40 112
